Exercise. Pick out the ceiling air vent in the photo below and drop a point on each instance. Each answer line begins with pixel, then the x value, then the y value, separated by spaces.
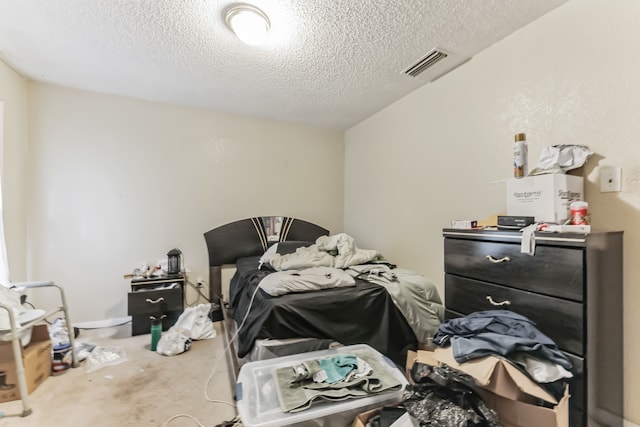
pixel 425 62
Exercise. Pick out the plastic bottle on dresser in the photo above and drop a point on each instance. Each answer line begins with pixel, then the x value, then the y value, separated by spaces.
pixel 520 154
pixel 579 212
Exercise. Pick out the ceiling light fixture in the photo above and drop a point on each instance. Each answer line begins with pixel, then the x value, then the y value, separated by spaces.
pixel 249 23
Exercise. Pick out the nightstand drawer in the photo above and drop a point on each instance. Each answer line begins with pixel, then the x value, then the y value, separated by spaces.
pixel 504 264
pixel 560 320
pixel 154 302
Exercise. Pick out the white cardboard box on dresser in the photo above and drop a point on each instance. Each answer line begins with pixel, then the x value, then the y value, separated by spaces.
pixel 545 197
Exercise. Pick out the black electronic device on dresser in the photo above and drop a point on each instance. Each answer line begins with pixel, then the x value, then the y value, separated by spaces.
pixel 155 298
pixel 571 287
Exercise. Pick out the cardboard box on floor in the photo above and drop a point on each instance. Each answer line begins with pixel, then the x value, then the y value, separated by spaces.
pixel 505 389
pixel 36 358
pixel 364 418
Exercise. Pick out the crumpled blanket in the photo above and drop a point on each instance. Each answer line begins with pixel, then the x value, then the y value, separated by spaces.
pixel 337 251
pixel 347 253
pixel 415 296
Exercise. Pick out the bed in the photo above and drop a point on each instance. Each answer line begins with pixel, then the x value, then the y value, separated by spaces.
pixel 365 313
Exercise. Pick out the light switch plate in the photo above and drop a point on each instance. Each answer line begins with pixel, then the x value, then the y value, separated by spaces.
pixel 610 179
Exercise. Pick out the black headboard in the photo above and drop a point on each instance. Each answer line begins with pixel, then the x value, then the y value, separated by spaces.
pixel 251 237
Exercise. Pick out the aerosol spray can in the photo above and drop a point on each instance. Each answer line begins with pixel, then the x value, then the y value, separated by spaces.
pixel 520 153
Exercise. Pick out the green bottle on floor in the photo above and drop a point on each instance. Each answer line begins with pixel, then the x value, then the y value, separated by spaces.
pixel 156 332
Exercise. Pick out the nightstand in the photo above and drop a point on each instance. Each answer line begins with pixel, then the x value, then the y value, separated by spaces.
pixel 156 297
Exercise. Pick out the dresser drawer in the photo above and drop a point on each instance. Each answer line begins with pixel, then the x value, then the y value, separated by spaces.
pixel 154 302
pixel 560 320
pixel 555 271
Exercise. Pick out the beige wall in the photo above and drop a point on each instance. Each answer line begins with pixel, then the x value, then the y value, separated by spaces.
pixel 444 151
pixel 13 92
pixel 116 182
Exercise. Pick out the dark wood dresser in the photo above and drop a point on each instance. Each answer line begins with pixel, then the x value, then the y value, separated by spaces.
pixel 571 288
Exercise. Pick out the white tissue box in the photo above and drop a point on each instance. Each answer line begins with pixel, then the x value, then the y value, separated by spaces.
pixel 464 223
pixel 545 197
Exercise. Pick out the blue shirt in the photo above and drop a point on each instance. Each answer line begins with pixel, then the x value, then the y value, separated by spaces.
pixel 501 332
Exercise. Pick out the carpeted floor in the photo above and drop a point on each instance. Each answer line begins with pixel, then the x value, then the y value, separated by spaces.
pixel 148 389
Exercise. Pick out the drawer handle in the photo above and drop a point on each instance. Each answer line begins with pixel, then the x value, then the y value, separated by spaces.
pixel 492 302
pixel 150 301
pixel 498 261
pixel 155 318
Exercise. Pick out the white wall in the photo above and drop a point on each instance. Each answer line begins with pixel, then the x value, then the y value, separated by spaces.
pixel 13 92
pixel 116 182
pixel 444 151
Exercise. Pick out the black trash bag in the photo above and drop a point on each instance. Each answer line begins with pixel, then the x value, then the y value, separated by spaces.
pixel 446 397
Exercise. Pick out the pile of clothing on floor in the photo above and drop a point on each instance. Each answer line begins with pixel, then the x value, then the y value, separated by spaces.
pixel 443 396
pixel 511 336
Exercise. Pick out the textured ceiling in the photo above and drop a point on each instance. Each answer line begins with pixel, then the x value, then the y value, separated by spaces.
pixel 330 63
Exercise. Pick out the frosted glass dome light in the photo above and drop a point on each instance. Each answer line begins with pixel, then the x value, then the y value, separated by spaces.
pixel 250 24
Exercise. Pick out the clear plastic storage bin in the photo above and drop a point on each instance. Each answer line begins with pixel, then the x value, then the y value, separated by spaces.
pixel 258 404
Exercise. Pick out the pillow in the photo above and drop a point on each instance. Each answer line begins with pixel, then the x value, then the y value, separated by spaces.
pixel 281 248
